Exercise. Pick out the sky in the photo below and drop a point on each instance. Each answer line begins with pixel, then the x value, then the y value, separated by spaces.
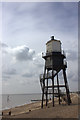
pixel 26 27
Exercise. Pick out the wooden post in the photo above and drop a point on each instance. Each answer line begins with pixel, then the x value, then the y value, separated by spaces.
pixel 42 96
pixel 43 87
pixel 47 89
pixel 58 88
pixel 66 85
pixel 53 86
pixel 53 80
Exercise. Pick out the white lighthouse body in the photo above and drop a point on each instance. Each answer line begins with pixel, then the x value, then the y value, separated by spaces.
pixel 53 46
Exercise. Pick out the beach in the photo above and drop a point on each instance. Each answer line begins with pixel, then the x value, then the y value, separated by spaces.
pixel 34 110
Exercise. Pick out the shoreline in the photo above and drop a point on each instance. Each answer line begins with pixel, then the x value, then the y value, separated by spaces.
pixel 14 106
pixel 11 100
pixel 27 110
pixel 24 108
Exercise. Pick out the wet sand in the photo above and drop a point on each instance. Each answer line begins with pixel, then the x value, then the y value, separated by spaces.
pixel 34 110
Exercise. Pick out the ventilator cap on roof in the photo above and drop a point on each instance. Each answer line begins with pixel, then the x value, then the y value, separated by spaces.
pixel 52 37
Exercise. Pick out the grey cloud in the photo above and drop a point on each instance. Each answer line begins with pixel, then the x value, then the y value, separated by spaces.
pixel 38 60
pixel 10 71
pixel 28 75
pixel 6 74
pixel 5 77
pixel 37 13
pixel 40 65
pixel 4 51
pixel 60 73
pixel 72 55
pixel 24 54
pixel 72 76
pixel 3 45
pixel 20 53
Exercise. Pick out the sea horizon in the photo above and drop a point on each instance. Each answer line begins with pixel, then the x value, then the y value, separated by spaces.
pixel 14 100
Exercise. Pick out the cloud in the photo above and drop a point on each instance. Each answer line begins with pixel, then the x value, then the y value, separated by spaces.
pixel 72 76
pixel 5 77
pixel 72 55
pixel 38 60
pixel 33 24
pixel 28 74
pixel 34 67
pixel 3 45
pixel 19 53
pixel 9 71
pixel 23 53
pixel 61 74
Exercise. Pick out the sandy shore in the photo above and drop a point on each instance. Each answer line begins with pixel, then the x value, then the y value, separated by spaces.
pixel 34 110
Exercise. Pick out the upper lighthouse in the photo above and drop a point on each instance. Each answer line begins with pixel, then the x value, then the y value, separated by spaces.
pixel 53 45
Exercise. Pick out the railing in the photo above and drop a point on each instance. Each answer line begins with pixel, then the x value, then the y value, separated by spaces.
pixel 65 62
pixel 48 53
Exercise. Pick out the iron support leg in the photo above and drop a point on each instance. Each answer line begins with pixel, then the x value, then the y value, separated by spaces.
pixel 58 88
pixel 43 87
pixel 47 90
pixel 42 98
pixel 66 85
pixel 53 85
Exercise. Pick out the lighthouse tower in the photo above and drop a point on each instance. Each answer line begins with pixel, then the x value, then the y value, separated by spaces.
pixel 55 61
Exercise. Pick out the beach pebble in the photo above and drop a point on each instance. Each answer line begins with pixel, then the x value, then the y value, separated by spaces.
pixel 2 113
pixel 9 112
pixel 29 110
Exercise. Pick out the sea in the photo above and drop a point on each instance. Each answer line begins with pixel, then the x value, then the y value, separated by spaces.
pixel 13 100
